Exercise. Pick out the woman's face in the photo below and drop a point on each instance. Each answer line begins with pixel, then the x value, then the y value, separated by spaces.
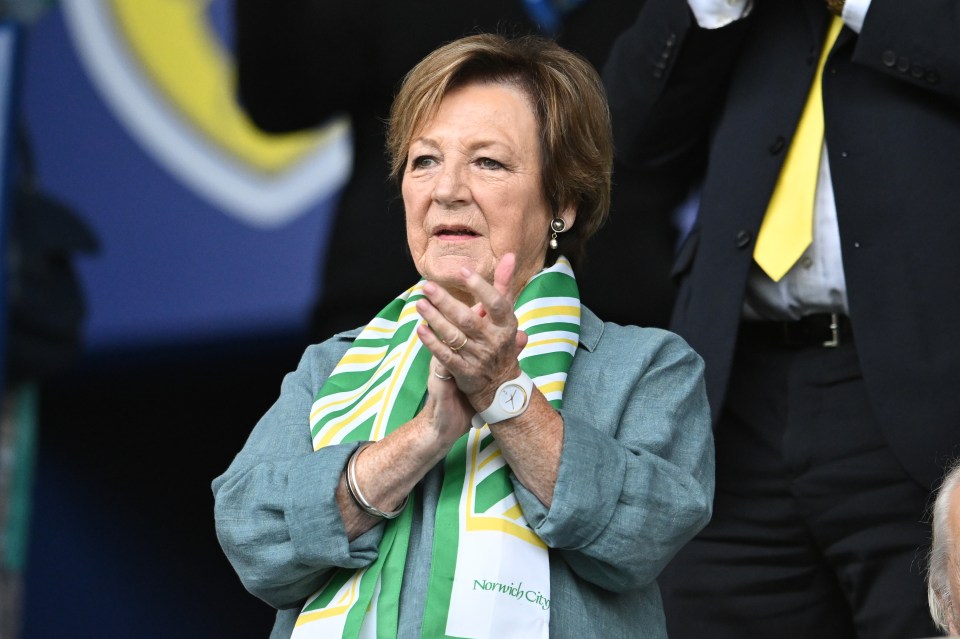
pixel 472 189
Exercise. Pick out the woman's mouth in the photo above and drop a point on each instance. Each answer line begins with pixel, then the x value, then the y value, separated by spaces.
pixel 455 233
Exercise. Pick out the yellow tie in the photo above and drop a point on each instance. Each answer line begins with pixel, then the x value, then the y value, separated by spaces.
pixel 787 228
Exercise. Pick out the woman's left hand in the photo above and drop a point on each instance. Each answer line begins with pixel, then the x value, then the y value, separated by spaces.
pixel 478 346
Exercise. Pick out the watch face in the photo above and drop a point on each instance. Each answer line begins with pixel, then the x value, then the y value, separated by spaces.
pixel 512 398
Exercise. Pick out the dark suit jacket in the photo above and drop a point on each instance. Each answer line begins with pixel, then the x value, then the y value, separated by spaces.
pixel 892 116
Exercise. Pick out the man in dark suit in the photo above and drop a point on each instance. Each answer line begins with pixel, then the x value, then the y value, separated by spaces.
pixel 834 385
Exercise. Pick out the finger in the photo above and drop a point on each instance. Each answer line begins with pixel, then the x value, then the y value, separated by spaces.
pixel 446 314
pixel 440 351
pixel 521 341
pixel 447 334
pixel 498 306
pixel 441 383
pixel 503 275
pixel 444 329
pixel 440 371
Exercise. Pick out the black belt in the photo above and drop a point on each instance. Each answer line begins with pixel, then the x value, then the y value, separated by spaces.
pixel 826 330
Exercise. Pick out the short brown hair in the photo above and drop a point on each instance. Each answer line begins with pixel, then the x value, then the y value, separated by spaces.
pixel 570 106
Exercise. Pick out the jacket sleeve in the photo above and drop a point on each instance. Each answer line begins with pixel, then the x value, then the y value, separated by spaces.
pixel 637 466
pixel 914 44
pixel 276 514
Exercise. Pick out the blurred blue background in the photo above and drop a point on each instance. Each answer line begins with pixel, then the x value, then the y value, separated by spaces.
pixel 195 311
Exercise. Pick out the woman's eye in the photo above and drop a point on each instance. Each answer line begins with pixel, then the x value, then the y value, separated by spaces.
pixel 487 163
pixel 423 162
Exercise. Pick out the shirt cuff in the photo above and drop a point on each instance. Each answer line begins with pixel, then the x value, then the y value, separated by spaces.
pixel 713 14
pixel 854 13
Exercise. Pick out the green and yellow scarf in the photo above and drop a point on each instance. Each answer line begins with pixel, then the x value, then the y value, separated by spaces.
pixel 490 574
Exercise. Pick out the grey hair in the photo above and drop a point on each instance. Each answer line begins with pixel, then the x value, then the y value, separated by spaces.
pixel 942 560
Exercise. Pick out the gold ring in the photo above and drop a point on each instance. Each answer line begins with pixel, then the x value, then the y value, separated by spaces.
pixel 457 348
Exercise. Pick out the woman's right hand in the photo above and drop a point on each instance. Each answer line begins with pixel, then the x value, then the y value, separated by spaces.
pixel 386 471
pixel 447 413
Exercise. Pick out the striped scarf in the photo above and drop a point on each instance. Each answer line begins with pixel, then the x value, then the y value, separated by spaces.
pixel 489 574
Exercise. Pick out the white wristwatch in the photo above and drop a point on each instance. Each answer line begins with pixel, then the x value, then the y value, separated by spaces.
pixel 510 400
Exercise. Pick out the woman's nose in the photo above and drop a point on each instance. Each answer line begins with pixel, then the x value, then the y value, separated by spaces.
pixel 451 187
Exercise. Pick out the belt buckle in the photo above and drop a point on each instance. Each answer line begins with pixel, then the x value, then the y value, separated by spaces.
pixel 834 340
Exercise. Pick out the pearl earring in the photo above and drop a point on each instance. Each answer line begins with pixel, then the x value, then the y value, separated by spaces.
pixel 557 225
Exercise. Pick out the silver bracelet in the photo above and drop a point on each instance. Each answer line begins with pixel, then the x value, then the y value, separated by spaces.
pixel 358 497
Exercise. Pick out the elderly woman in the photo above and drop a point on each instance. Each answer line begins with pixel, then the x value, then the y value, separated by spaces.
pixel 485 458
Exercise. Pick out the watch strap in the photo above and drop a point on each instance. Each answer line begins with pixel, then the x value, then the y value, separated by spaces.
pixel 496 413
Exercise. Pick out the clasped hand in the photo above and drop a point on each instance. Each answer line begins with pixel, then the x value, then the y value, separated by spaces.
pixel 475 347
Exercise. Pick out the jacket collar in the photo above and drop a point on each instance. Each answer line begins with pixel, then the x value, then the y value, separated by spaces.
pixel 591 329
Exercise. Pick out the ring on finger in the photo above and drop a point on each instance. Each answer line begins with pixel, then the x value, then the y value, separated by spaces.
pixel 462 344
pixel 445 378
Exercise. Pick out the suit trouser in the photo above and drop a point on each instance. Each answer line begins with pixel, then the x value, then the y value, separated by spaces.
pixel 817 530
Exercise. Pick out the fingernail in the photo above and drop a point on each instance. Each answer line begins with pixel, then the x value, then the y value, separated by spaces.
pixel 429 288
pixel 465 271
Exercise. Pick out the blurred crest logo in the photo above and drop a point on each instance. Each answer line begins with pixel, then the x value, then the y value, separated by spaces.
pixel 165 73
